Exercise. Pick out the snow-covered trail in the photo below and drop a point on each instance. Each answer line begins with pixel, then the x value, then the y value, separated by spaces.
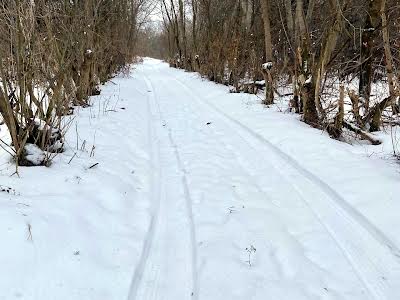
pixel 169 248
pixel 171 188
pixel 220 188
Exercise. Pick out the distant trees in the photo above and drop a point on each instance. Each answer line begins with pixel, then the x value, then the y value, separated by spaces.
pixel 320 48
pixel 53 55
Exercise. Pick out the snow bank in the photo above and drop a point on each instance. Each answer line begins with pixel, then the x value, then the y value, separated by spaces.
pixel 74 232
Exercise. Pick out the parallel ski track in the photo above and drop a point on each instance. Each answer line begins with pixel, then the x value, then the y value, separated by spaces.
pixel 376 286
pixel 155 199
pixel 361 219
pixel 188 200
pixel 359 227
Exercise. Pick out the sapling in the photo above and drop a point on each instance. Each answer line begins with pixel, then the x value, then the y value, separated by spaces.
pixel 83 146
pixel 92 151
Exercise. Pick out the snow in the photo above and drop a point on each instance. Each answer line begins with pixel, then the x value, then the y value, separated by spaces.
pixel 34 154
pixel 199 194
pixel 267 66
pixel 87 224
pixel 260 82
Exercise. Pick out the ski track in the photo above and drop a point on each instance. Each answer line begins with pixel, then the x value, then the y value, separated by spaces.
pixel 334 196
pixel 155 202
pixel 373 257
pixel 188 198
pixel 153 277
pixel 375 272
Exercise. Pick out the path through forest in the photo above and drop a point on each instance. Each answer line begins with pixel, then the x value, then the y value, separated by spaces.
pixel 235 217
pixel 172 188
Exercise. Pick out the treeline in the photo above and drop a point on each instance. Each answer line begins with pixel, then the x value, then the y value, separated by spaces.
pixel 54 54
pixel 318 48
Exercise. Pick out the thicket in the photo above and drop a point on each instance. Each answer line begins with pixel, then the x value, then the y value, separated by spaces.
pixel 340 58
pixel 53 56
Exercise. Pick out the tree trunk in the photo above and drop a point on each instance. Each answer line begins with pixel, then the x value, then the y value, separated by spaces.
pixel 304 78
pixel 194 31
pixel 183 32
pixel 267 68
pixel 326 52
pixel 369 33
pixel 289 17
pixel 391 76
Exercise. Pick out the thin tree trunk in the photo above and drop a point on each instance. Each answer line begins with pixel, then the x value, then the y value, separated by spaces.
pixel 369 33
pixel 304 74
pixel 289 17
pixel 268 66
pixel 194 23
pixel 392 80
pixel 183 32
pixel 326 52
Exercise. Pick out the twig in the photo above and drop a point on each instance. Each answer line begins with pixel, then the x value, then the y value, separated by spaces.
pixel 77 136
pixel 72 158
pixel 30 238
pixel 94 165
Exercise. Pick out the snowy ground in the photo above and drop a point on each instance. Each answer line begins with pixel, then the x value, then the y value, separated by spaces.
pixel 199 194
